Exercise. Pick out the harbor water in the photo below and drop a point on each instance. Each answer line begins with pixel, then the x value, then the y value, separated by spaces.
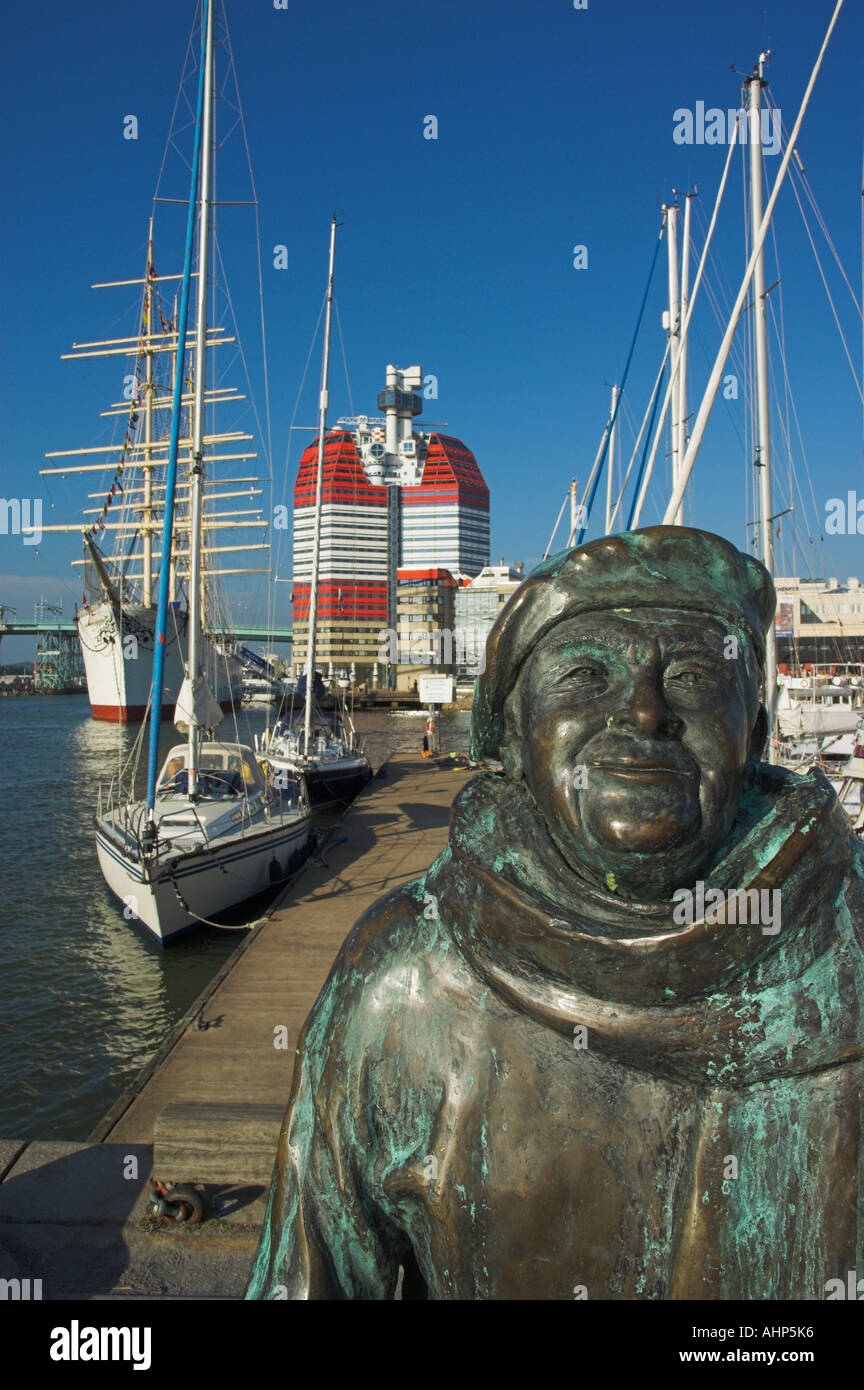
pixel 85 996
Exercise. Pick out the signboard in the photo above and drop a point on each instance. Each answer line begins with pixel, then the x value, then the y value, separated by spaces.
pixel 784 622
pixel 435 690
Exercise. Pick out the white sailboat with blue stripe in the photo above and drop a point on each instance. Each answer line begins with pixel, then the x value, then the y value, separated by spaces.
pixel 231 840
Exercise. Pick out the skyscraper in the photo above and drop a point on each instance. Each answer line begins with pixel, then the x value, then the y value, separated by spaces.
pixel 392 497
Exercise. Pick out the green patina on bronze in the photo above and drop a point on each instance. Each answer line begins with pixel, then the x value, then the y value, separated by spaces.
pixel 446 1118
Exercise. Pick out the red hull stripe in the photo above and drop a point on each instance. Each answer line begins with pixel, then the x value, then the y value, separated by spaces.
pixel 134 714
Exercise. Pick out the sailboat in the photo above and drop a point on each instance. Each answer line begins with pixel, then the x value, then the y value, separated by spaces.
pixel 212 831
pixel 788 716
pixel 792 716
pixel 817 707
pixel 330 758
pixel 320 748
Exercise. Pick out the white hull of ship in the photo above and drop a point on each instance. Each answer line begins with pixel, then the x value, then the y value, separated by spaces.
pixel 118 662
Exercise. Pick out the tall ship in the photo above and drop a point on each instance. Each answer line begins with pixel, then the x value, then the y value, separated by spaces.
pixel 122 522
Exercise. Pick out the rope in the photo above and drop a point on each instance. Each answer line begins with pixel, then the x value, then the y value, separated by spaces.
pixel 590 502
pixel 181 91
pixel 344 358
pixel 226 926
pixel 270 617
pixel 710 393
pixel 626 478
pixel 222 926
pixel 646 446
pixel 547 552
pixel 798 172
pixel 828 293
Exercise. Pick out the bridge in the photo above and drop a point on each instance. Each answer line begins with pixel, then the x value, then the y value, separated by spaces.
pixel 259 634
pixel 37 626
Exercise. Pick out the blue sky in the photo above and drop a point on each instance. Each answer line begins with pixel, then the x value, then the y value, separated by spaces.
pixel 554 130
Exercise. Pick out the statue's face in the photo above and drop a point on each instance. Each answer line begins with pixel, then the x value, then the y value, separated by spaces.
pixel 634 735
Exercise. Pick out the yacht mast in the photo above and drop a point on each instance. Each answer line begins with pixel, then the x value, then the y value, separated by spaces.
pixel 574 515
pixel 196 477
pixel 172 564
pixel 610 463
pixel 713 386
pixel 171 472
pixel 763 447
pixel 323 402
pixel 147 586
pixel 682 340
pixel 671 211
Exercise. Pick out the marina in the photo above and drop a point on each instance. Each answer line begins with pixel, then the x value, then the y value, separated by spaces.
pixel 383 916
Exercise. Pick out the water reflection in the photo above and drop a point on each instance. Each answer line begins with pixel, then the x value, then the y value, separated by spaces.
pixel 85 996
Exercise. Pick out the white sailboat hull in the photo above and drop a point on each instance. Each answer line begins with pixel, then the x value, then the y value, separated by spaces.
pixel 118 662
pixel 817 719
pixel 261 697
pixel 170 898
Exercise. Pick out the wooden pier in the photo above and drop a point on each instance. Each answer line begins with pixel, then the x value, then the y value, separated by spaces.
pixel 238 1046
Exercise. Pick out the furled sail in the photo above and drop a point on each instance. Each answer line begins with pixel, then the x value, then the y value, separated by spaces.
pixel 196 705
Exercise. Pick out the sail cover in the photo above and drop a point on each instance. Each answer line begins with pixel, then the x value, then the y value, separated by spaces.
pixel 197 705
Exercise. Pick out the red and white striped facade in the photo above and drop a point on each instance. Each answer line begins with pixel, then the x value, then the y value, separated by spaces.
pixel 445 518
pixel 392 497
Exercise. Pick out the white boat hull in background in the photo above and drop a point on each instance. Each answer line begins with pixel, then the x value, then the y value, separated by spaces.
pixel 818 720
pixel 118 662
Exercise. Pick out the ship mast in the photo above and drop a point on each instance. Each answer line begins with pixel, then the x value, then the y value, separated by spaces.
pixel 323 401
pixel 194 631
pixel 763 446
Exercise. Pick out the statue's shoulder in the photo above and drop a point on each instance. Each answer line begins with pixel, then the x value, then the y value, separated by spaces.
pixel 393 928
pixel 394 934
pixel 397 963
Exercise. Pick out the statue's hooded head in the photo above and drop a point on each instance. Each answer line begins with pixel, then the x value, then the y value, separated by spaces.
pixel 623 684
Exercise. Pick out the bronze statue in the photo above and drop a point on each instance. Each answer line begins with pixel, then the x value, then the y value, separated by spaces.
pixel 610 1045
